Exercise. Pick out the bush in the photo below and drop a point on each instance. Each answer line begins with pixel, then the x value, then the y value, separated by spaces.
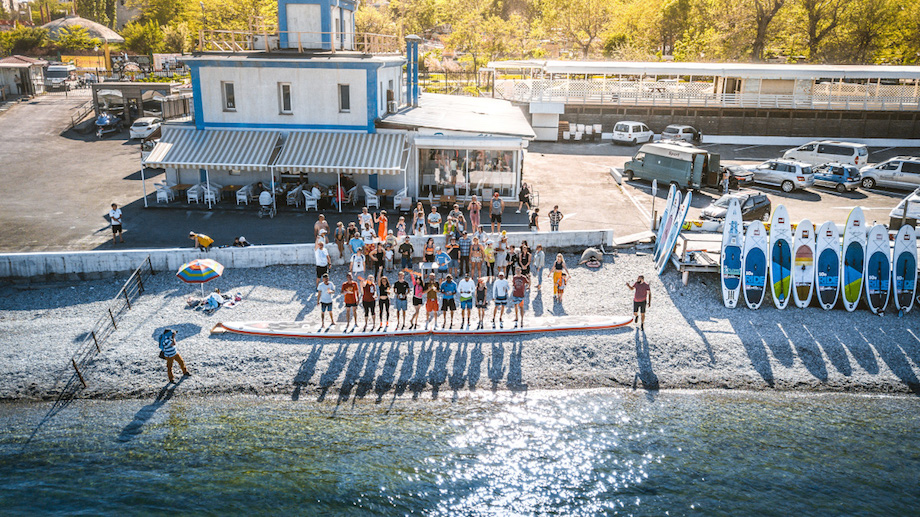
pixel 75 38
pixel 22 40
pixel 143 38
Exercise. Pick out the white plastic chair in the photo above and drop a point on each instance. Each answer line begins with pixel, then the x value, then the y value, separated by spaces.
pixel 242 195
pixel 351 196
pixel 566 135
pixel 193 194
pixel 310 202
pixel 210 196
pixel 580 128
pixel 293 196
pixel 163 195
pixel 598 129
pixel 578 136
pixel 397 199
pixel 370 198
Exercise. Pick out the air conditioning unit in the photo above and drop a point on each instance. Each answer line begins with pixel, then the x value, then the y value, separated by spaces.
pixel 392 107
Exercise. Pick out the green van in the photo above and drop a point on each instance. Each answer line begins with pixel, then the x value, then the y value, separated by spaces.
pixel 687 167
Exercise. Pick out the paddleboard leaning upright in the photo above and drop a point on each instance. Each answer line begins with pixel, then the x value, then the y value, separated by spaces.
pixel 667 220
pixel 877 278
pixel 730 265
pixel 852 262
pixel 780 257
pixel 803 272
pixel 905 269
pixel 754 260
pixel 677 225
pixel 827 272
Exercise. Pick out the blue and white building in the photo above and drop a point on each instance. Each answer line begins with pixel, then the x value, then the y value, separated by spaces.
pixel 317 100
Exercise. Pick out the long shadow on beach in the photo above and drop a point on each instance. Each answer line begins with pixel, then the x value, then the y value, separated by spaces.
pixel 646 374
pixel 306 371
pixel 136 426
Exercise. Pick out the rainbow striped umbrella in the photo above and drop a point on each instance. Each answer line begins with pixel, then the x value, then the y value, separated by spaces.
pixel 200 271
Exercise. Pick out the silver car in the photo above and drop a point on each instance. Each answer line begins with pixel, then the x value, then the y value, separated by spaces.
pixel 786 174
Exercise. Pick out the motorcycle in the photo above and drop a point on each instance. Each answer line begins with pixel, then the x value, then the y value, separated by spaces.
pixel 108 123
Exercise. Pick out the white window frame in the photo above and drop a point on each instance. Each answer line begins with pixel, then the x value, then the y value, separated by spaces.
pixel 346 88
pixel 225 99
pixel 290 93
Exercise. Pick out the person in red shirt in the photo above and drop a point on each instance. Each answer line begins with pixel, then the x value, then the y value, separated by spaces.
pixel 519 284
pixel 350 293
pixel 369 292
pixel 641 300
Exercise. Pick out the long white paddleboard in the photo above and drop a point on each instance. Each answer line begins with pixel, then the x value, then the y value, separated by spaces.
pixel 730 266
pixel 803 265
pixel 780 257
pixel 665 255
pixel 904 269
pixel 754 265
pixel 827 270
pixel 299 329
pixel 672 193
pixel 667 223
pixel 853 258
pixel 877 277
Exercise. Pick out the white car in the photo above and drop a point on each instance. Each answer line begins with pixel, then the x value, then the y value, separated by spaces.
pixel 144 126
pixel 901 172
pixel 827 151
pixel 679 132
pixel 631 132
pixel 787 174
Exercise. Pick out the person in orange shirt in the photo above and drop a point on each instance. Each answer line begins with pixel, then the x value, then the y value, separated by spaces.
pixel 560 286
pixel 381 221
pixel 350 293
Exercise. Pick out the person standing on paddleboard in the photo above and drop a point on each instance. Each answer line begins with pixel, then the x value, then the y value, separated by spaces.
pixel 641 300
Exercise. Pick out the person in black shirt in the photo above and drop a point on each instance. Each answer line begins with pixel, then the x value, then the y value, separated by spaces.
pixel 401 288
pixel 514 260
pixel 379 256
pixel 405 250
pixel 453 251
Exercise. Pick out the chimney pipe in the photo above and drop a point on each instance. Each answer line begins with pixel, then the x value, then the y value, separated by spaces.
pixel 412 42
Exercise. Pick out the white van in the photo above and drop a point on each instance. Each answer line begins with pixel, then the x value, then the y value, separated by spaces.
pixel 898 172
pixel 827 151
pixel 631 132
pixel 60 77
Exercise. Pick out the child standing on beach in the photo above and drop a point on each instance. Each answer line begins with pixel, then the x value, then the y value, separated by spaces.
pixel 559 286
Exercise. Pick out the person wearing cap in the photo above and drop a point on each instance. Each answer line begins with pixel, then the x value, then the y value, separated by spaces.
pixel 488 256
pixel 443 260
pixel 466 288
pixel 518 293
pixel 448 291
pixel 390 239
pixel 324 292
pixel 500 291
pixel 167 342
pixel 240 242
pixel 202 241
pixel 321 258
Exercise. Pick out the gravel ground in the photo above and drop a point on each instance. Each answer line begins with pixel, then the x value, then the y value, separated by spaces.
pixel 691 341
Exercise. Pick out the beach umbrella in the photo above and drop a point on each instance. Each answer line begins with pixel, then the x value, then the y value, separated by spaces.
pixel 200 271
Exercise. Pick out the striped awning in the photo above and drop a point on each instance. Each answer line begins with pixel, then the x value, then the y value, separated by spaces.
pixel 355 153
pixel 213 149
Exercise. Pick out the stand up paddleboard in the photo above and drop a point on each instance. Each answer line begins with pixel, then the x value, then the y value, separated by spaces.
pixel 780 257
pixel 732 242
pixel 877 278
pixel 665 255
pixel 827 272
pixel 803 267
pixel 667 220
pixel 299 329
pixel 905 268
pixel 852 262
pixel 754 260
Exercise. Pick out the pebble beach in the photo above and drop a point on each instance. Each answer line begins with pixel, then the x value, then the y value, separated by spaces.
pixel 690 341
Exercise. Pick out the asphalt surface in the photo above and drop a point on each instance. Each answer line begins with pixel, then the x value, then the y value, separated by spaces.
pixel 57 187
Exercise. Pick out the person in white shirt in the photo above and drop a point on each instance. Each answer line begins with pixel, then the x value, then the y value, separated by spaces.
pixel 466 287
pixel 500 291
pixel 115 221
pixel 315 193
pixel 367 234
pixel 357 264
pixel 321 254
pixel 364 218
pixel 324 292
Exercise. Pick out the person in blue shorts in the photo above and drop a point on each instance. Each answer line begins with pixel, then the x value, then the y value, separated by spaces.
pixel 448 291
pixel 500 291
pixel 324 292
pixel 466 288
pixel 519 285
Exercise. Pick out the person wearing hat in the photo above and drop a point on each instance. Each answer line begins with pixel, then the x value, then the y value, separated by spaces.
pixel 321 259
pixel 324 292
pixel 466 288
pixel 167 342
pixel 202 241
pixel 443 260
pixel 448 291
pixel 500 291
pixel 390 239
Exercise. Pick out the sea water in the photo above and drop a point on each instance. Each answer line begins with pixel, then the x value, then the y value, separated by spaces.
pixel 549 452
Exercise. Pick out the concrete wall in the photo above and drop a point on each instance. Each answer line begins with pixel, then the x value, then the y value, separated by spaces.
pixel 305 18
pixel 314 96
pixel 25 267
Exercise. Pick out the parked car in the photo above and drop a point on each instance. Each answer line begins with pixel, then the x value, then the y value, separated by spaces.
pixel 899 172
pixel 679 132
pixel 827 151
pixel 144 126
pixel 738 177
pixel 754 205
pixel 631 132
pixel 840 177
pixel 787 174
pixel 911 204
pixel 108 123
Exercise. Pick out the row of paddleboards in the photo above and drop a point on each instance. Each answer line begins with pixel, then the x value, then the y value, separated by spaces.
pixel 810 263
pixel 672 222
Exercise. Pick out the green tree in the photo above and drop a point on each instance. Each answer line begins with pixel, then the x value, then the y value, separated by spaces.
pixel 373 20
pixel 819 20
pixel 177 38
pixel 143 38
pixel 23 40
pixel 75 38
pixel 579 22
pixel 417 16
pixel 163 12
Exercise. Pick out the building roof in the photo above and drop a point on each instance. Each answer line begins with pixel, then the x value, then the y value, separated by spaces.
pixel 96 30
pixel 478 115
pixel 743 70
pixel 292 57
pixel 354 153
pixel 215 149
pixel 21 62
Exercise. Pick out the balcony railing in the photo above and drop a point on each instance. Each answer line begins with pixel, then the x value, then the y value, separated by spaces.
pixel 699 95
pixel 255 41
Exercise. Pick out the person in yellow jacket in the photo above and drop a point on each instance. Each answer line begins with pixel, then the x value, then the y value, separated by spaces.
pixel 202 241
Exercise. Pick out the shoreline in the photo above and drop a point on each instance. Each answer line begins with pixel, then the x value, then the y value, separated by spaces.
pixel 691 342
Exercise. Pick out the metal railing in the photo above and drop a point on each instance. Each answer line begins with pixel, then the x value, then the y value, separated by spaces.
pixel 92 342
pixel 600 93
pixel 254 41
pixel 81 112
